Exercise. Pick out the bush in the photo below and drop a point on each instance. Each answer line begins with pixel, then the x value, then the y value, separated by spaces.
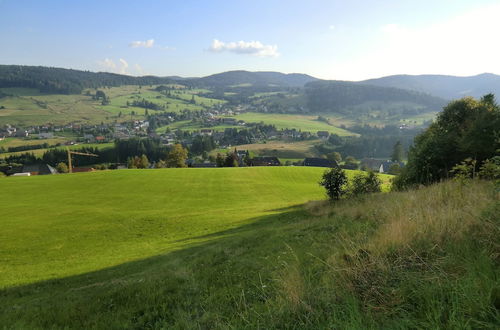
pixel 62 167
pixel 365 184
pixel 490 170
pixel 334 180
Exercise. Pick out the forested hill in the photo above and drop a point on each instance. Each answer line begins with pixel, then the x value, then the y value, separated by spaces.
pixel 448 87
pixel 338 96
pixel 261 79
pixel 67 81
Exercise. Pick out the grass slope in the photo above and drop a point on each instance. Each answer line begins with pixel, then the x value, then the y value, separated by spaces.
pixel 25 106
pixel 85 222
pixel 420 259
pixel 302 122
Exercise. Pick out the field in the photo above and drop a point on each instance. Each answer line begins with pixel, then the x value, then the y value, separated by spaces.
pixel 84 222
pixel 40 152
pixel 17 142
pixel 233 248
pixel 27 106
pixel 302 122
pixel 280 149
pixel 188 125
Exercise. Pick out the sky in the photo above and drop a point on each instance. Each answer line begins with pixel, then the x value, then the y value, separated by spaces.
pixel 341 40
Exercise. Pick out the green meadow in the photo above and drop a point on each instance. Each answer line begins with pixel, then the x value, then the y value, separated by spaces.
pixel 27 106
pixel 40 152
pixel 303 122
pixel 243 248
pixel 86 222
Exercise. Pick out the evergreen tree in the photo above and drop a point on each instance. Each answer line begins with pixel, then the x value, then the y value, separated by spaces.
pixel 398 152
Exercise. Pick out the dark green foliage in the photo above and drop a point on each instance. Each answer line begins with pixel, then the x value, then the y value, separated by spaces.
pixel 202 144
pixel 231 160
pixel 466 128
pixel 66 81
pixel 398 152
pixel 365 184
pixel 334 180
pixel 147 105
pixel 337 96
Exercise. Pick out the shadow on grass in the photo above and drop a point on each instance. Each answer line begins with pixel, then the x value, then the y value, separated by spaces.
pixel 257 229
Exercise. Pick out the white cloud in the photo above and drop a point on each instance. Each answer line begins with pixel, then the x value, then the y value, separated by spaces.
pixel 255 48
pixel 108 65
pixel 124 66
pixel 139 70
pixel 331 27
pixel 142 44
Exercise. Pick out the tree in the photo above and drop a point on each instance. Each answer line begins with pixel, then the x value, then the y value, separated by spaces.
pixel 336 156
pixel 334 181
pixel 365 184
pixel 160 164
pixel 220 160
pixel 130 162
pixel 62 167
pixel 143 162
pixel 398 152
pixel 177 156
pixel 231 160
pixel 466 128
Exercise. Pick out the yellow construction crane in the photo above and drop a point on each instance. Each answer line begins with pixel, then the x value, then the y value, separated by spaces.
pixel 70 163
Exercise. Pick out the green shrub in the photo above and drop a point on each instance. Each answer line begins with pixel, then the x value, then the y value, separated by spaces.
pixel 334 180
pixel 365 184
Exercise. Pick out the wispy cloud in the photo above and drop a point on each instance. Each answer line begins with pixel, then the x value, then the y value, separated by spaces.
pixel 255 48
pixel 142 44
pixel 121 66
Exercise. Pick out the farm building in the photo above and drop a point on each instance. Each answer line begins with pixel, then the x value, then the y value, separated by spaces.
pixel 265 161
pixel 39 169
pixel 204 165
pixel 320 162
pixel 323 134
pixel 381 166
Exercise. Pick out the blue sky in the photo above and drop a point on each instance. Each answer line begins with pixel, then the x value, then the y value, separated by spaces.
pixel 349 40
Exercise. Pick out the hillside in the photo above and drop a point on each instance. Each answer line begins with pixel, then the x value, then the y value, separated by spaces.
pixel 67 81
pixel 348 98
pixel 113 254
pixel 107 218
pixel 264 79
pixel 447 87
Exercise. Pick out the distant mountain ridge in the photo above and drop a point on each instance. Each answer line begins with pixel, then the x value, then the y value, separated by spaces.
pixel 259 78
pixel 68 81
pixel 447 87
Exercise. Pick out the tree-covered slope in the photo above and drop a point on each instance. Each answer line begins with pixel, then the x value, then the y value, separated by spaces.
pixel 66 81
pixel 256 79
pixel 338 96
pixel 447 87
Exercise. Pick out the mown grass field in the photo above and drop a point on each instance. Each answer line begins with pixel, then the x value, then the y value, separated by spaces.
pixel 234 249
pixel 86 222
pixel 302 122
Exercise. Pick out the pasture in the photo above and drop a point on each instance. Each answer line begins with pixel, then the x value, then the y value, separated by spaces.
pixel 26 106
pixel 305 123
pixel 232 248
